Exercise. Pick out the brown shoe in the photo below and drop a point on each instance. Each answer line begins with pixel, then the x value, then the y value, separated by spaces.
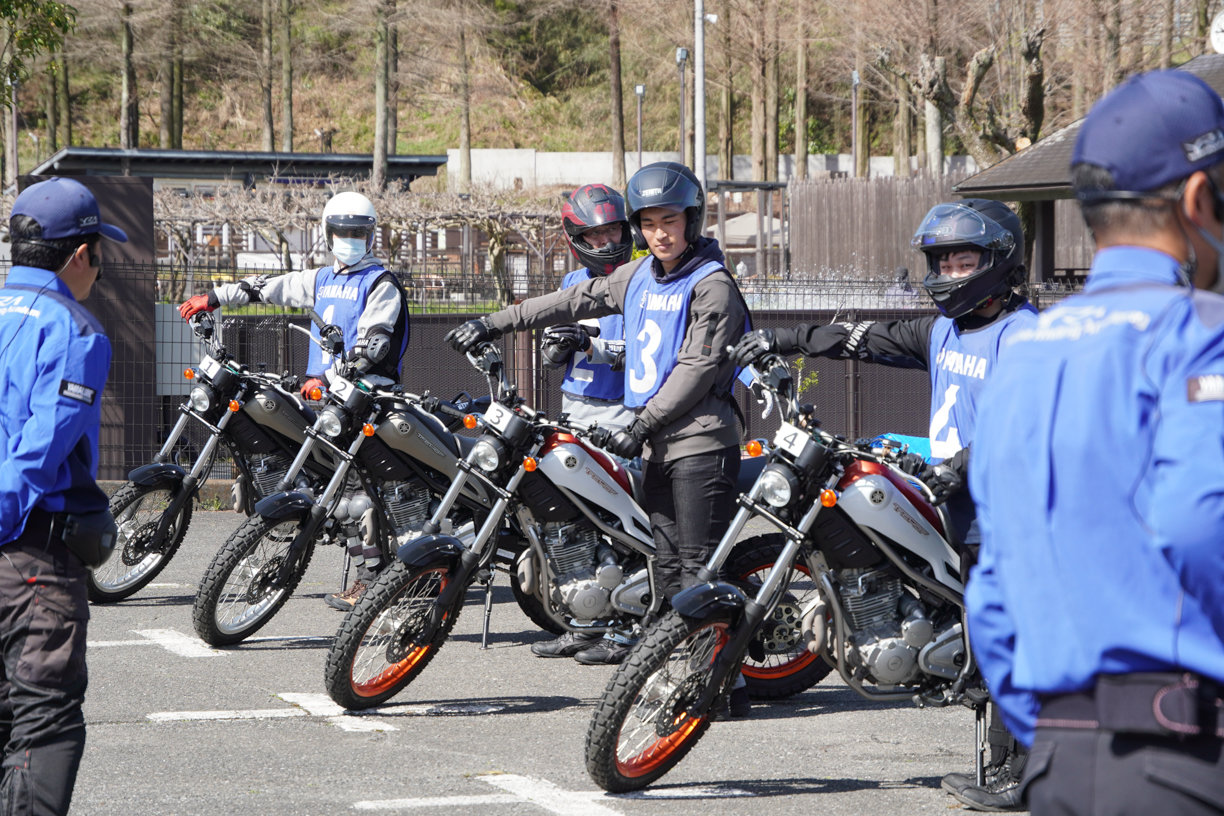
pixel 344 600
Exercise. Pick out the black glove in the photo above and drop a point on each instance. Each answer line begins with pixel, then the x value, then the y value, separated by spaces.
pixel 911 463
pixel 627 442
pixel 948 477
pixel 753 346
pixel 560 342
pixel 463 337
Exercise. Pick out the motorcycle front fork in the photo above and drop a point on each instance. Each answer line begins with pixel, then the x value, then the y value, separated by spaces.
pixel 191 482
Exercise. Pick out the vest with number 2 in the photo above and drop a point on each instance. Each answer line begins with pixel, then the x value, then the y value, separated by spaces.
pixel 656 320
pixel 960 363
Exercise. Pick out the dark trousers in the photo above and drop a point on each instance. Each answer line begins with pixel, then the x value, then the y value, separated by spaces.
pixel 1084 772
pixel 43 614
pixel 690 502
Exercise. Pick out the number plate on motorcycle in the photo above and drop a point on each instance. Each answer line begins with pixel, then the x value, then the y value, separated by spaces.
pixel 209 367
pixel 791 439
pixel 340 387
pixel 498 417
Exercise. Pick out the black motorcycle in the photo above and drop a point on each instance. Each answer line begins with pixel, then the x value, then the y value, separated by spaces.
pixel 254 417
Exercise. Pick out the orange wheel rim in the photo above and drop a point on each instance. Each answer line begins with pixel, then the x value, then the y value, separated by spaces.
pixel 387 679
pixel 654 756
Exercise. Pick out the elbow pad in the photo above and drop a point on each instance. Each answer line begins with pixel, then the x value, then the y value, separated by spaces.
pixel 372 350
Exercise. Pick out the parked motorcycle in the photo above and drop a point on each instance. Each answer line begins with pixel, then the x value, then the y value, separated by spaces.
pixel 585 551
pixel 387 457
pixel 887 613
pixel 249 415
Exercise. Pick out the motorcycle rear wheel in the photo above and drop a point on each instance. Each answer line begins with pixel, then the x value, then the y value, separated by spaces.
pixel 534 609
pixel 239 592
pixel 138 510
pixel 642 725
pixel 786 666
pixel 375 654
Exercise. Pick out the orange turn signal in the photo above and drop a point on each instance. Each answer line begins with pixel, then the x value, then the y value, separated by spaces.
pixel 469 421
pixel 754 448
pixel 530 465
pixel 234 405
pixel 367 429
pixel 828 498
pixel 189 373
pixel 315 393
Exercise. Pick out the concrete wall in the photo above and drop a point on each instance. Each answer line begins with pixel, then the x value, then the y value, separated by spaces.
pixel 525 168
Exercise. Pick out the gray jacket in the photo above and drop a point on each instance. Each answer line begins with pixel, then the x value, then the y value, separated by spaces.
pixel 692 412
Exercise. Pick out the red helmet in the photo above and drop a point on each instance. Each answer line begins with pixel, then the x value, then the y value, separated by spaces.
pixel 594 205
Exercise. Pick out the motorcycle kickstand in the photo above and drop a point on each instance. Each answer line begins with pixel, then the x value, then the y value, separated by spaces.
pixel 345 566
pixel 980 744
pixel 488 612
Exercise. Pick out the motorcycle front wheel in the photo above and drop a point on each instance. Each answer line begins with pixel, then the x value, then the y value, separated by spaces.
pixel 644 723
pixel 241 590
pixel 137 559
pixel 777 663
pixel 378 650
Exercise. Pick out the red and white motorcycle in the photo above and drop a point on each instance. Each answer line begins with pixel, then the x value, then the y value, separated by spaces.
pixel 567 521
pixel 887 611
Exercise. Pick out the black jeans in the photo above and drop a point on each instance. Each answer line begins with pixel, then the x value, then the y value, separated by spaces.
pixel 690 502
pixel 43 614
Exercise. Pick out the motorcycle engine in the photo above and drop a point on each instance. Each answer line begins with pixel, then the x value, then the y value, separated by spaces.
pixel 586 568
pixel 888 626
pixel 267 471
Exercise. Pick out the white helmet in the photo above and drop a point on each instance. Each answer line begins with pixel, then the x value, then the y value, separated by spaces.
pixel 350 215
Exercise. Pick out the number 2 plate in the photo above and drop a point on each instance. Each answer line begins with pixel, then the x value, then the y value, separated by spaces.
pixel 791 439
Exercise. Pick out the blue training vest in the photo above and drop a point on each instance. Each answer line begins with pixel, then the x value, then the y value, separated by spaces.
pixel 960 364
pixel 584 378
pixel 656 320
pixel 340 300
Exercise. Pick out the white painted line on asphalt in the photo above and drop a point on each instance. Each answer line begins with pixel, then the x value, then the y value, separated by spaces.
pixel 287 638
pixel 439 802
pixel 178 643
pixel 249 714
pixel 169 586
pixel 682 793
pixel 548 796
pixel 102 644
pixel 320 705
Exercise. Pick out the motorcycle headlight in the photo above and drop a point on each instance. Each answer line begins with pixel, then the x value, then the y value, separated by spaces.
pixel 777 487
pixel 330 423
pixel 486 456
pixel 200 399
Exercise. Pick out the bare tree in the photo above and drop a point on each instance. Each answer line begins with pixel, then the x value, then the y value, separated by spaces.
pixel 264 70
pixel 129 104
pixel 801 90
pixel 382 16
pixel 286 55
pixel 618 107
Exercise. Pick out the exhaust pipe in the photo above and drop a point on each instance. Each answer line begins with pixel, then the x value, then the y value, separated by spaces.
pixel 814 625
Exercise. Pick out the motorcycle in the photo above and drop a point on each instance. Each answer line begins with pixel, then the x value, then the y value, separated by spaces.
pixel 888 611
pixel 387 457
pixel 253 416
pixel 584 548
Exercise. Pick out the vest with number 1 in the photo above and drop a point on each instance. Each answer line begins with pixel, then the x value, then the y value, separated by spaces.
pixel 960 364
pixel 340 300
pixel 656 320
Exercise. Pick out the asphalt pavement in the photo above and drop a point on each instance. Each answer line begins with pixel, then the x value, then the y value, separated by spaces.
pixel 178 728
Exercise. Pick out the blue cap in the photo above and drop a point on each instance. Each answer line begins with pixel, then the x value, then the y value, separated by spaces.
pixel 64 208
pixel 1154 129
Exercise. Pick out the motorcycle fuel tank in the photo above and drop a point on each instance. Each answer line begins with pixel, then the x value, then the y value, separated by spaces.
pixel 416 434
pixel 272 409
pixel 571 465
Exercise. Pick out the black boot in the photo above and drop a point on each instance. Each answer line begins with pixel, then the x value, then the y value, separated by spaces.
pixel 1000 793
pixel 567 645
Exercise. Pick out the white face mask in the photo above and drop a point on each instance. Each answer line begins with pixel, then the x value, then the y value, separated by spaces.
pixel 348 251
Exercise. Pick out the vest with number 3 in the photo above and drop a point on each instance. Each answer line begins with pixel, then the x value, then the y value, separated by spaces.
pixel 960 364
pixel 340 300
pixel 656 320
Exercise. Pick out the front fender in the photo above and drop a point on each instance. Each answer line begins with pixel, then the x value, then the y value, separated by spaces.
pixel 713 599
pixel 158 474
pixel 429 549
pixel 288 504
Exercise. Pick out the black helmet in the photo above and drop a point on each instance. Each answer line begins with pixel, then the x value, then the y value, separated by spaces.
pixel 594 205
pixel 669 185
pixel 990 227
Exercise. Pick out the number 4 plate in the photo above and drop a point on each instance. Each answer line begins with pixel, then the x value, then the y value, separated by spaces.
pixel 791 439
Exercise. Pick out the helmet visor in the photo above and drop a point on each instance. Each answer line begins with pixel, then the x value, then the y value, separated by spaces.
pixel 949 225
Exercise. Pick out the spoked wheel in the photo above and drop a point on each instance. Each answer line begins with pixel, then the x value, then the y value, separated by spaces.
pixel 534 609
pixel 777 663
pixel 241 590
pixel 644 723
pixel 379 649
pixel 139 556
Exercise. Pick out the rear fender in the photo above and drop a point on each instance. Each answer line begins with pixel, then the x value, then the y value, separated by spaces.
pixel 713 599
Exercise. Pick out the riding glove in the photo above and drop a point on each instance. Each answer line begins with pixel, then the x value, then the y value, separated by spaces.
pixel 198 303
pixel 753 346
pixel 560 342
pixel 948 477
pixel 627 442
pixel 463 337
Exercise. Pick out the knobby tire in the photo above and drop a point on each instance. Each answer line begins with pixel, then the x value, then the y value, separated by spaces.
pixel 138 510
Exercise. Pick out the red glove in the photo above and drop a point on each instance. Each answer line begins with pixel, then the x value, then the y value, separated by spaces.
pixel 196 304
pixel 313 382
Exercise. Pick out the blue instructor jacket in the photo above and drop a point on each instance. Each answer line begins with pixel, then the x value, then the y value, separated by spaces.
pixel 1098 471
pixel 54 359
